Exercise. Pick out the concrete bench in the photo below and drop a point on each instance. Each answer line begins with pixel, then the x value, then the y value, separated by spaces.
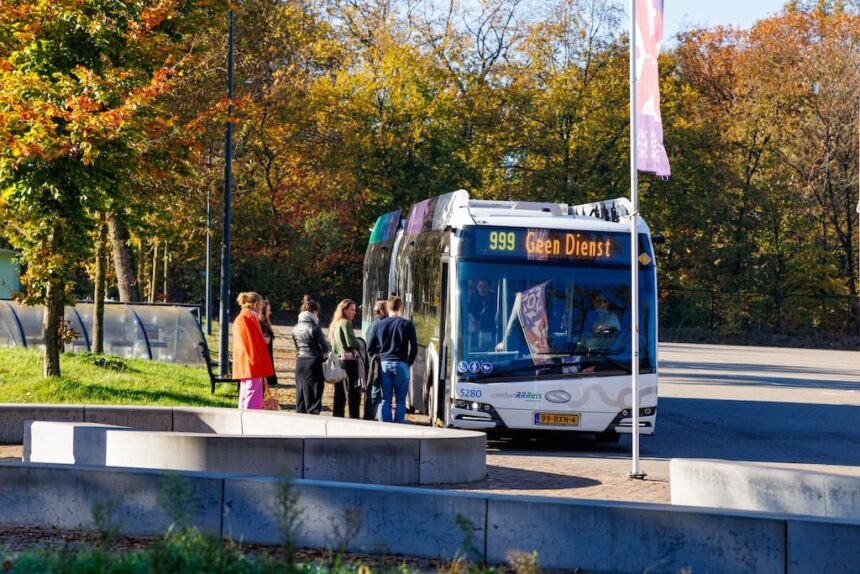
pixel 262 443
pixel 748 486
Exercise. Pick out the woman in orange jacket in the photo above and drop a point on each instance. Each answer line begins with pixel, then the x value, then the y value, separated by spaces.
pixel 251 362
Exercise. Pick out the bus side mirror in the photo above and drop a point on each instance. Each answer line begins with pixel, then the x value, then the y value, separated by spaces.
pixel 658 239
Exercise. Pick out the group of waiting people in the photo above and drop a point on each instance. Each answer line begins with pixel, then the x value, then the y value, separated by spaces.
pixel 378 370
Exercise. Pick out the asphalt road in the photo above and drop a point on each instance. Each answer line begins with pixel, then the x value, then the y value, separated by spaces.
pixel 793 407
pixel 796 406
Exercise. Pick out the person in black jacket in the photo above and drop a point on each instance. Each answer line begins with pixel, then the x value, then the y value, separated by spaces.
pixel 311 349
pixel 373 389
pixel 395 342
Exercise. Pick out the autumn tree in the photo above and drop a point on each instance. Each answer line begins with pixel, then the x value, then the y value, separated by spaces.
pixel 78 110
pixel 568 96
pixel 818 142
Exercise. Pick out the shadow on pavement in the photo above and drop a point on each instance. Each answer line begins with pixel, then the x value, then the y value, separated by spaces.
pixel 757 431
pixel 754 375
pixel 546 444
pixel 754 431
pixel 507 478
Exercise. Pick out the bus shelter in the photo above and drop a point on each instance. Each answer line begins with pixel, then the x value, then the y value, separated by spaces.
pixel 168 333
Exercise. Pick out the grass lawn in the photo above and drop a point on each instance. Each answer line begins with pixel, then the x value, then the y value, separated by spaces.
pixel 94 379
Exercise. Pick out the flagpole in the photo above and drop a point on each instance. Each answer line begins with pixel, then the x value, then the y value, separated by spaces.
pixel 634 253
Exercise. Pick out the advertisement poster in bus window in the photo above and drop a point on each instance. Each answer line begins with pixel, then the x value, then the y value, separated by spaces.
pixel 385 227
pixel 533 319
pixel 428 214
pixel 420 213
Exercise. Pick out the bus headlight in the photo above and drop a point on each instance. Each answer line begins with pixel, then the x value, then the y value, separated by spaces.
pixel 628 413
pixel 466 405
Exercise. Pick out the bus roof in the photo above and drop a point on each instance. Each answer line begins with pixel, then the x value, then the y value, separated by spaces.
pixel 457 210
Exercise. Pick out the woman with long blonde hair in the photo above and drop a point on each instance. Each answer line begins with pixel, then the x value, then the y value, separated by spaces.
pixel 251 362
pixel 345 344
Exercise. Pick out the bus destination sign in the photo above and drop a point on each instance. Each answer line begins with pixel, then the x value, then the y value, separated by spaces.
pixel 552 244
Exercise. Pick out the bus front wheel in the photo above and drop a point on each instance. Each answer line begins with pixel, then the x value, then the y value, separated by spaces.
pixel 432 404
pixel 607 436
pixel 431 395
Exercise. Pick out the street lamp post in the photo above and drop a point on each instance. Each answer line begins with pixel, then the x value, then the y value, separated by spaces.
pixel 208 262
pixel 224 317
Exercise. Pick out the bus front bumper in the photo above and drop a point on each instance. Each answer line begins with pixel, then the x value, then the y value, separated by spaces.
pixel 484 416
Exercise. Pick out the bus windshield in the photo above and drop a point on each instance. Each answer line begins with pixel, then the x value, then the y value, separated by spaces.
pixel 538 319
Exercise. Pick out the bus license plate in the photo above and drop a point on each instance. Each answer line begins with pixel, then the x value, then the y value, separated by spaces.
pixel 557 419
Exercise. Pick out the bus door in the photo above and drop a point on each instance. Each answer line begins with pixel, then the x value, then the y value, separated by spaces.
pixel 439 390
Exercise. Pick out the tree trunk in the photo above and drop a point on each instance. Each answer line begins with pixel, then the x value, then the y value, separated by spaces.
pixel 55 300
pixel 153 282
pixel 142 261
pixel 99 295
pixel 126 277
pixel 165 273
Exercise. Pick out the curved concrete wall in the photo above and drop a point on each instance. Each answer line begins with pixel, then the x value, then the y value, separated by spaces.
pixel 256 442
pixel 583 535
pixel 746 486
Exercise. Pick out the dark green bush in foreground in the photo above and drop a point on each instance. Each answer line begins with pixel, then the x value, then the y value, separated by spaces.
pixel 190 552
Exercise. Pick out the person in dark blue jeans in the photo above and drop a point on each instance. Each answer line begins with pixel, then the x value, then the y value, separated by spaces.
pixel 395 342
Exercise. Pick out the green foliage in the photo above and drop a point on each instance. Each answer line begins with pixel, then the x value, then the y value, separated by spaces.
pixel 289 517
pixel 187 551
pixel 106 526
pixel 190 551
pixel 468 529
pixel 177 498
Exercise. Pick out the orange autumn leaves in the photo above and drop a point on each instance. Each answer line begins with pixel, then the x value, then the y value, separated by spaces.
pixel 78 74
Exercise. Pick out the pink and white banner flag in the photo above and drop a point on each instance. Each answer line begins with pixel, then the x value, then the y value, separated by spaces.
pixel 534 321
pixel 650 153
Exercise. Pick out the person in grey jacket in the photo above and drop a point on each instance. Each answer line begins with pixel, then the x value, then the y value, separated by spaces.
pixel 311 349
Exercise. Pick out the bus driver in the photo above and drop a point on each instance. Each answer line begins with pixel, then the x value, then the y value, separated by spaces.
pixel 482 317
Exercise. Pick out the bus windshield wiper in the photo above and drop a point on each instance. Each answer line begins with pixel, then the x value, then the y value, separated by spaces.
pixel 605 355
pixel 583 351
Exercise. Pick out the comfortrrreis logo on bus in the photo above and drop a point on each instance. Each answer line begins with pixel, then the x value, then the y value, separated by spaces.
pixel 519 395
